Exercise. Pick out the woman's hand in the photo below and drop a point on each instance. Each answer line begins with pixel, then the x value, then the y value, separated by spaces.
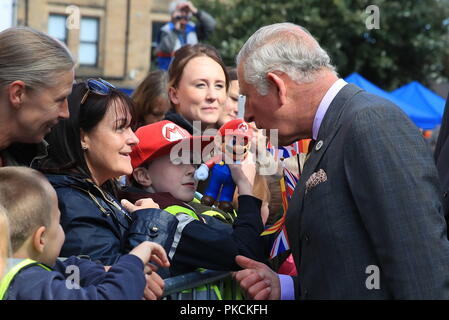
pixel 146 203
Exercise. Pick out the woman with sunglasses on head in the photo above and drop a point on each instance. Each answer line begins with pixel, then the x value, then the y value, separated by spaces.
pixel 87 153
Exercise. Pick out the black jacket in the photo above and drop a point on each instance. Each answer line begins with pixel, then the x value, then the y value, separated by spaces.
pixel 205 243
pixel 441 156
pixel 365 220
pixel 124 281
pixel 93 221
pixel 172 116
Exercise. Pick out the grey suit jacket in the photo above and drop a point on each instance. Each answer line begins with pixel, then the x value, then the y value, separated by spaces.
pixel 379 208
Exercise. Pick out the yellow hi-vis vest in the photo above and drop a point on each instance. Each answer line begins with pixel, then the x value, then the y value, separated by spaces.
pixel 201 292
pixel 14 268
pixel 229 290
pixel 226 217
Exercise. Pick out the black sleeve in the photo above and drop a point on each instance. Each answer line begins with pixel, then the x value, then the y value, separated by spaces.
pixel 199 245
pixel 206 25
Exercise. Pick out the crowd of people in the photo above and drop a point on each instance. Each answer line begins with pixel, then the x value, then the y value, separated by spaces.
pixel 112 185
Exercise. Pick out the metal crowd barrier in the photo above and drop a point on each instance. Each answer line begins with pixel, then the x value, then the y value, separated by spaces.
pixel 175 285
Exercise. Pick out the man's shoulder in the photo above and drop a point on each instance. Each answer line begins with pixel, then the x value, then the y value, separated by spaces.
pixel 364 106
pixel 23 154
pixel 31 282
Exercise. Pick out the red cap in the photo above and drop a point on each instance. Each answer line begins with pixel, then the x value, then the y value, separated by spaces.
pixel 157 139
pixel 236 127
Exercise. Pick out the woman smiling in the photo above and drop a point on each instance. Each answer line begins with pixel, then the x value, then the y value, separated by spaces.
pixel 198 85
pixel 87 153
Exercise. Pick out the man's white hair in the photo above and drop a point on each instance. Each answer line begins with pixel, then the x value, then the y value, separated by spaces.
pixel 172 6
pixel 281 47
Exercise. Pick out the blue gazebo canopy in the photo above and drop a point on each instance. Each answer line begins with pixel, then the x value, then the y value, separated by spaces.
pixel 423 118
pixel 418 95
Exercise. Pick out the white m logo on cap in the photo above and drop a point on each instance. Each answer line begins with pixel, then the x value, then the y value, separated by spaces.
pixel 173 132
pixel 243 127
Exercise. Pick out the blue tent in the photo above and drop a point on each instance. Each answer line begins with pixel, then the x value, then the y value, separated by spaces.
pixel 422 118
pixel 418 95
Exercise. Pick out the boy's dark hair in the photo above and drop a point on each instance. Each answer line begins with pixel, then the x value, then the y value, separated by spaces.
pixel 24 195
pixel 65 153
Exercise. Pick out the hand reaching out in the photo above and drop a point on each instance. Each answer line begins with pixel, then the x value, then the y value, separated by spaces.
pixel 146 203
pixel 257 280
pixel 150 251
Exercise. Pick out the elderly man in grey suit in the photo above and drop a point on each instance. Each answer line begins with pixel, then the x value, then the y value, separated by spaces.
pixel 365 221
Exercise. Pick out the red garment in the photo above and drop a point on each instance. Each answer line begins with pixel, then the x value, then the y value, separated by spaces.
pixel 288 267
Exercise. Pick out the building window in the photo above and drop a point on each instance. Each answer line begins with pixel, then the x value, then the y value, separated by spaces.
pixel 57 27
pixel 89 34
pixel 156 27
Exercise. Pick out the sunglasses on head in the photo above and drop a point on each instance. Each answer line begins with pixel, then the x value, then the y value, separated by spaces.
pixel 97 86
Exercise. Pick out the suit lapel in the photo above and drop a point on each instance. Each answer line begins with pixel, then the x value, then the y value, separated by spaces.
pixel 329 128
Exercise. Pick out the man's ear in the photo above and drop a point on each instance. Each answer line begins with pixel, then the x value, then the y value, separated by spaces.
pixel 16 93
pixel 278 83
pixel 142 176
pixel 39 239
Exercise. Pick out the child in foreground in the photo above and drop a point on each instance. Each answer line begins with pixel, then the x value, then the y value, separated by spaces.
pixel 36 240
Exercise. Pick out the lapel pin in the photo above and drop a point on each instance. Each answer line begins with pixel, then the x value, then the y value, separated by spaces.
pixel 319 144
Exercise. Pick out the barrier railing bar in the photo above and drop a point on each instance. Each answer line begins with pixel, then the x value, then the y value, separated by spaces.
pixel 192 280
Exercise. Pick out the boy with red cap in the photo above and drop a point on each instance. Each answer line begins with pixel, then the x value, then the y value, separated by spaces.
pixel 193 240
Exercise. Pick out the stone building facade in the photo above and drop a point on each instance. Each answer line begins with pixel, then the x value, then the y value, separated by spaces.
pixel 111 39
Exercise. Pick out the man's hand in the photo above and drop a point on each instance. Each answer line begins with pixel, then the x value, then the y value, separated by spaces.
pixel 257 280
pixel 188 6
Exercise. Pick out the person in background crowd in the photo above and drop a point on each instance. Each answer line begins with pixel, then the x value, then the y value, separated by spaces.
pixel 197 86
pixel 36 76
pixel 151 98
pixel 230 110
pixel 181 31
pixel 365 220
